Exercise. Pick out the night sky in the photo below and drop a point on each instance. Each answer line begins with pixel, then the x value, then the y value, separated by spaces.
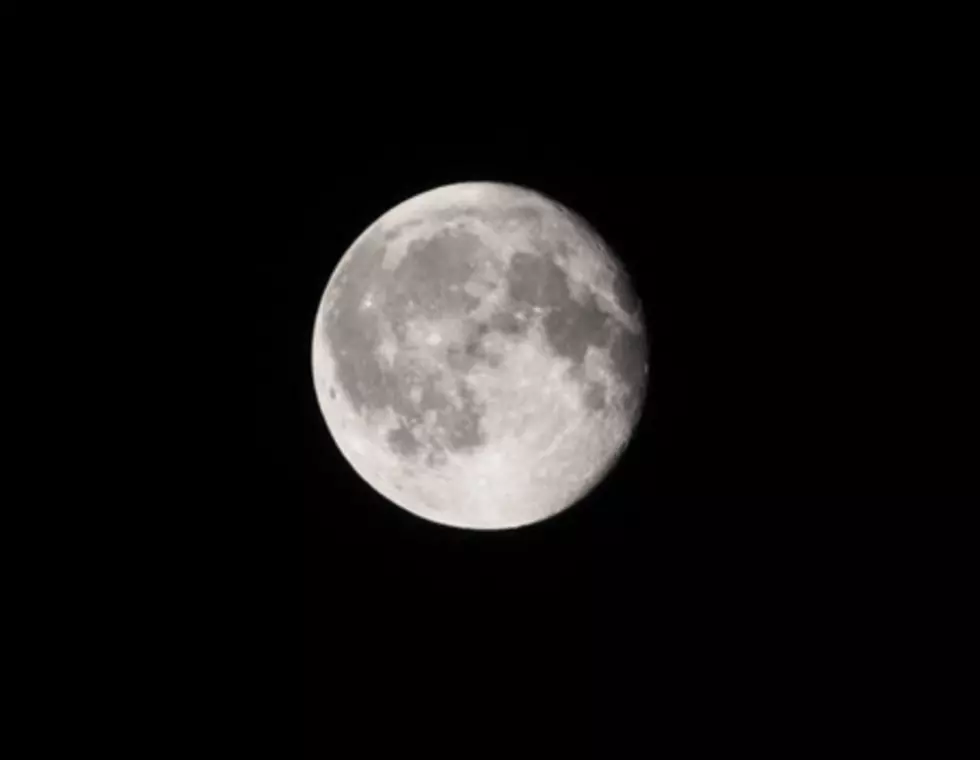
pixel 744 574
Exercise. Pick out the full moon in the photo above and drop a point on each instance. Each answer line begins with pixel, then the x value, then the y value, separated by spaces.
pixel 480 356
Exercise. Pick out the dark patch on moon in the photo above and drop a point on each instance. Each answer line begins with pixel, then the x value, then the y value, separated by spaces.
pixel 506 322
pixel 571 329
pixel 474 348
pixel 402 403
pixel 403 442
pixel 333 392
pixel 419 286
pixel 462 357
pixel 534 280
pixel 593 391
pixel 456 429
pixel 523 216
pixel 422 283
pixel 572 325
pixel 595 397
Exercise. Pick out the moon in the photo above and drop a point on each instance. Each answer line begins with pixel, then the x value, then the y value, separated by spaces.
pixel 480 356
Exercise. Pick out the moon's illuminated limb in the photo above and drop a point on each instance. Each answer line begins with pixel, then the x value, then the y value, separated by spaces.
pixel 538 343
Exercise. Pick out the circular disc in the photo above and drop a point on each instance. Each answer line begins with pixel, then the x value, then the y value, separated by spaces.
pixel 479 356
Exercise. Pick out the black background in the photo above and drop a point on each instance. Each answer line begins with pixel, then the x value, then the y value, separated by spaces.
pixel 781 561
pixel 764 564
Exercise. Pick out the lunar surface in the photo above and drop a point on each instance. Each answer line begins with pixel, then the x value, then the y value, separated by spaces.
pixel 480 356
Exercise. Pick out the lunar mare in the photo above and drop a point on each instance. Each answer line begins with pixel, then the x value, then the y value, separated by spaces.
pixel 479 356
